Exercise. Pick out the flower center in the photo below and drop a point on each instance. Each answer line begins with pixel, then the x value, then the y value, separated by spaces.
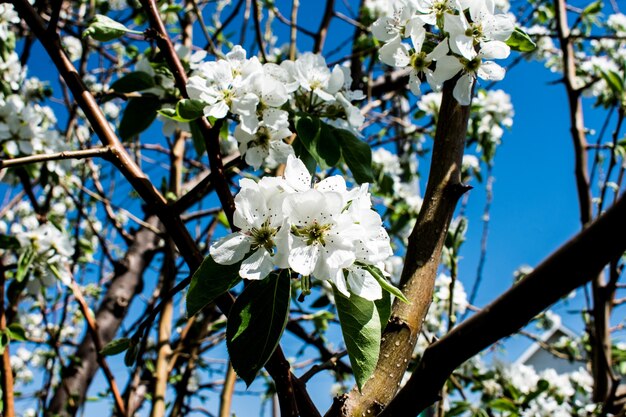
pixel 315 233
pixel 475 31
pixel 418 61
pixel 471 66
pixel 263 138
pixel 263 237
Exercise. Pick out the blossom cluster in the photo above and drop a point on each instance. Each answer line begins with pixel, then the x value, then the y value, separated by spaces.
pixel 326 230
pixel 446 37
pixel 262 95
pixel 49 248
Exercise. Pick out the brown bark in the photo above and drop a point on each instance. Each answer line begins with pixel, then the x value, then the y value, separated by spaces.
pixel 599 331
pixel 125 284
pixel 422 260
pixel 571 266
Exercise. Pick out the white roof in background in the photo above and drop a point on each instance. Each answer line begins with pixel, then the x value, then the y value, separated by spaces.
pixel 535 347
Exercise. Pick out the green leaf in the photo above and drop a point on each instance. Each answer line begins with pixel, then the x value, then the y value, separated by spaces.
pixel 116 346
pixel 383 305
pixel 319 139
pixel 189 110
pixel 104 29
pixel 520 41
pixel 170 114
pixel 4 341
pixel 131 354
pixel 139 114
pixel 9 242
pixel 503 404
pixel 307 128
pixel 387 286
pixel 327 146
pixel 614 81
pixel 361 328
pixel 17 332
pixel 23 263
pixel 303 154
pixel 135 81
pixel 198 139
pixel 357 155
pixel 256 323
pixel 209 282
pixel 593 8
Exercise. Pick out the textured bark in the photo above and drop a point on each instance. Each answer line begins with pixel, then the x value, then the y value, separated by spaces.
pixel 125 284
pixel 571 266
pixel 421 263
pixel 599 333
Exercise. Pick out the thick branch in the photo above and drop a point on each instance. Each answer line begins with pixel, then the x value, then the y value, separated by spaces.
pixel 599 333
pixel 571 266
pixel 124 286
pixel 421 263
pixel 45 157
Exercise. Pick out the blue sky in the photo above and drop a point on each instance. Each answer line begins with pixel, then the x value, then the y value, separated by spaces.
pixel 535 207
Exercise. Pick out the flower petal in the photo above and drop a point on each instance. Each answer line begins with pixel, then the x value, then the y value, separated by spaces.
pixel 257 266
pixel 303 257
pixel 230 249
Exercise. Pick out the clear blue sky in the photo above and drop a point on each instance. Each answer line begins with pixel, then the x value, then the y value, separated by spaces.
pixel 535 207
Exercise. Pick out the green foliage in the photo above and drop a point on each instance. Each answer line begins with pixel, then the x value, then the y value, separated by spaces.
pixel 17 332
pixel 209 282
pixel 135 81
pixel 356 154
pixel 319 143
pixel 8 242
pixel 520 41
pixel 256 323
pixel 104 29
pixel 386 285
pixel 116 346
pixel 361 328
pixel 24 262
pixel 139 114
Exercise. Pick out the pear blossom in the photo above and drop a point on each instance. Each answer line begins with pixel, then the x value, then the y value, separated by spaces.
pixel 267 141
pixel 484 27
pixel 473 66
pixel 430 11
pixel 258 216
pixel 311 72
pixel 398 54
pixel 387 28
pixel 323 230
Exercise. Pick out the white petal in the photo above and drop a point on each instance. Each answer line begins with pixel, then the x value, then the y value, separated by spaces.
pixel 490 71
pixel 218 110
pixel 384 29
pixel 494 50
pixel 336 80
pixel 363 284
pixel 303 257
pixel 447 67
pixel 255 156
pixel 499 27
pixel 250 208
pixel 257 266
pixel 230 249
pixel 334 183
pixel 324 95
pixel 463 90
pixel 395 54
pixel 416 31
pixel 297 175
pixel 414 83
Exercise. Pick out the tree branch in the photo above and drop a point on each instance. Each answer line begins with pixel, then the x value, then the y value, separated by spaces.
pixel 422 260
pixel 571 266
